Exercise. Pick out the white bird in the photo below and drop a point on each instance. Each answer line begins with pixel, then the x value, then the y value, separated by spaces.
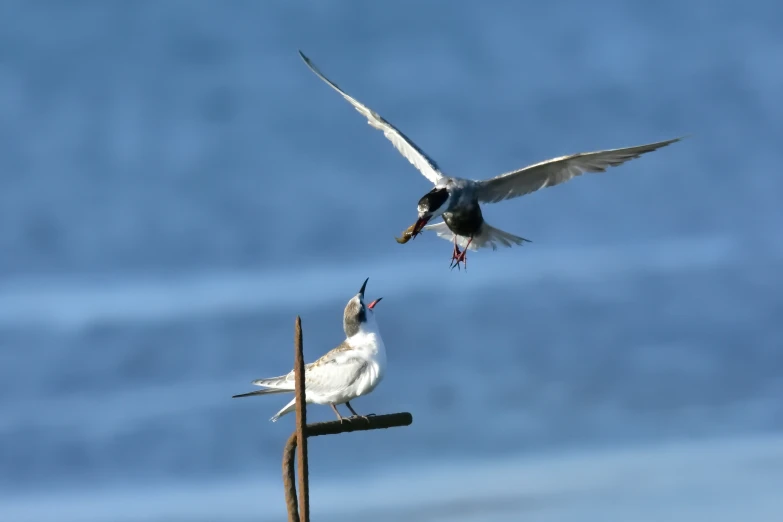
pixel 352 369
pixel 457 199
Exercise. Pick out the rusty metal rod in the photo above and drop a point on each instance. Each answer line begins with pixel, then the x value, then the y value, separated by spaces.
pixel 289 478
pixel 301 423
pixel 374 422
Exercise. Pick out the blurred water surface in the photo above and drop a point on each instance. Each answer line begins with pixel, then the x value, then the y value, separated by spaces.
pixel 175 186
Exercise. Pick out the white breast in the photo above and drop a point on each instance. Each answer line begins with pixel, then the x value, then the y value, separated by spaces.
pixel 369 344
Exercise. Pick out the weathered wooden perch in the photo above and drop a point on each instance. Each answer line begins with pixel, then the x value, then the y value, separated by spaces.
pixel 298 439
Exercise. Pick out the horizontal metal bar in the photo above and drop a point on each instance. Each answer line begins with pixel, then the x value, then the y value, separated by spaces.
pixel 373 422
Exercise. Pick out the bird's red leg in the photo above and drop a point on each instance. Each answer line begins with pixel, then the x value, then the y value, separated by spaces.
pixel 460 257
pixel 455 253
pixel 464 254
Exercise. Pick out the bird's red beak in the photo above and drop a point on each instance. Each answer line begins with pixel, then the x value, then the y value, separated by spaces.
pixel 372 305
pixel 419 225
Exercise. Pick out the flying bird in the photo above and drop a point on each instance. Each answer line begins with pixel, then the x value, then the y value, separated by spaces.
pixel 352 369
pixel 458 200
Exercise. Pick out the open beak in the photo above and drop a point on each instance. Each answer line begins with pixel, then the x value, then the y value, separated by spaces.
pixel 372 305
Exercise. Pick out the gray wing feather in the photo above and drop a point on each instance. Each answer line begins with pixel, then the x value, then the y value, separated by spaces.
pixel 558 170
pixel 321 374
pixel 283 382
pixel 324 379
pixel 401 142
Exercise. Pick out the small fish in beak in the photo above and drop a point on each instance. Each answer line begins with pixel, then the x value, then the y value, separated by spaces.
pixel 412 231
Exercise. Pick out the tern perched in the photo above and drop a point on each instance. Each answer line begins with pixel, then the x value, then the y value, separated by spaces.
pixel 458 200
pixel 352 369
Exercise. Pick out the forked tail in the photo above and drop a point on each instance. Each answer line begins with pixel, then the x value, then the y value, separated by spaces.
pixel 281 384
pixel 258 392
pixel 288 408
pixel 488 237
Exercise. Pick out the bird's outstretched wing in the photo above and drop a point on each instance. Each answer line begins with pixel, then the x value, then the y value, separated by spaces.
pixel 558 170
pixel 401 142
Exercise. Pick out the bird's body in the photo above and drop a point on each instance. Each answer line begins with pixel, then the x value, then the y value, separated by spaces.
pixel 458 200
pixel 463 222
pixel 463 216
pixel 352 369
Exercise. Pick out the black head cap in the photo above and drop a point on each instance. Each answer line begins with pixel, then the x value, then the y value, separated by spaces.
pixel 433 199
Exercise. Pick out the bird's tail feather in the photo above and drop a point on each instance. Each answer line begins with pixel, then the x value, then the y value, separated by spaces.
pixel 281 384
pixel 288 408
pixel 488 237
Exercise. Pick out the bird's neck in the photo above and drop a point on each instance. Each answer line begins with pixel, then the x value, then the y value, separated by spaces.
pixel 367 338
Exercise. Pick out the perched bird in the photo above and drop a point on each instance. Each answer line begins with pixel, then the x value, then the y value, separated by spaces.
pixel 458 200
pixel 352 369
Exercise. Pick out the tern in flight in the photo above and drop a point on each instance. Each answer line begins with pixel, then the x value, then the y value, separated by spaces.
pixel 458 200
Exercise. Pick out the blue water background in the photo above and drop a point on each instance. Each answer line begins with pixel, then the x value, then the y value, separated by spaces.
pixel 176 186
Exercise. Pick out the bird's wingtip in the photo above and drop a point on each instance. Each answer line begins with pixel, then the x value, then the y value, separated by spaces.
pixel 249 394
pixel 678 138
